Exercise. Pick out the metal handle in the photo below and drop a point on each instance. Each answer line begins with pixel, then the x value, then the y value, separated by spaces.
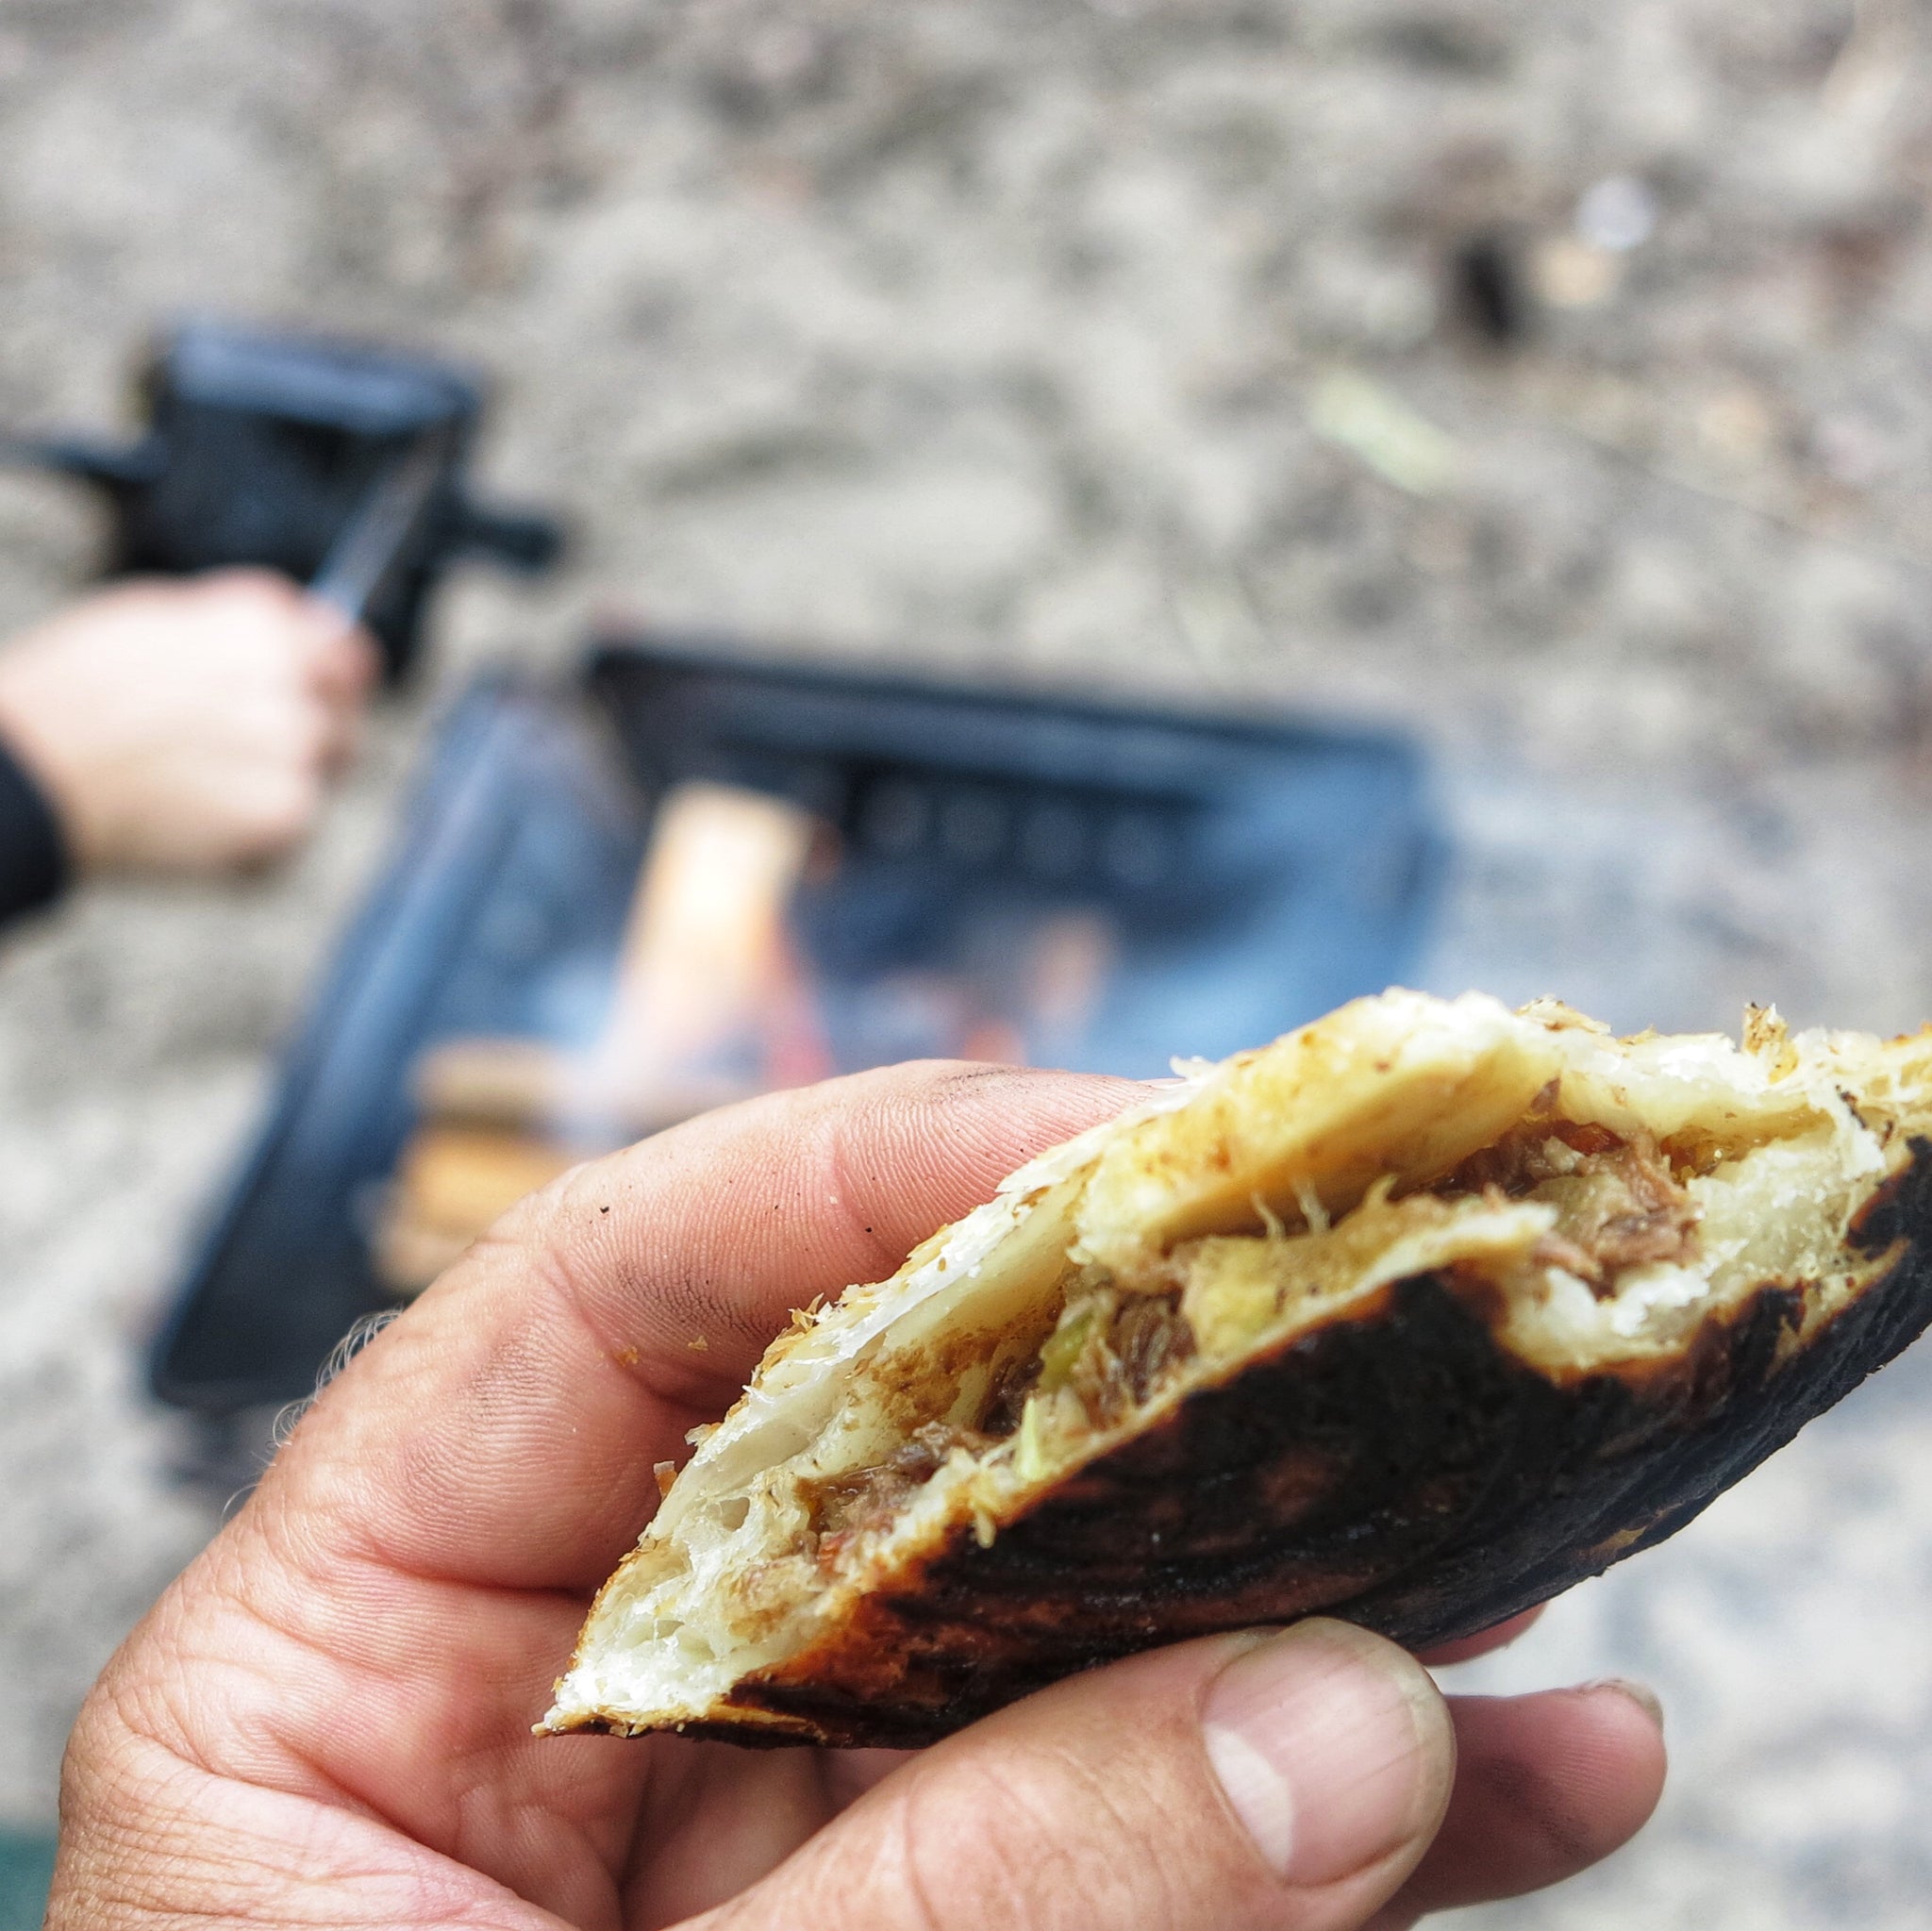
pixel 380 533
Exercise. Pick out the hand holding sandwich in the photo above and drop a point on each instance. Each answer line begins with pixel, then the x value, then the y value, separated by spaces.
pixel 327 1720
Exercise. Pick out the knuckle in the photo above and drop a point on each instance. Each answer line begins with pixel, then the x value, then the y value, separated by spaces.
pixel 355 653
pixel 247 584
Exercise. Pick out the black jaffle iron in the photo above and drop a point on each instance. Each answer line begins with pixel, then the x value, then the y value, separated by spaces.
pixel 342 464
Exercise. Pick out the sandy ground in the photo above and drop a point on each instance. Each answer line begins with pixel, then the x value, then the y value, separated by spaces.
pixel 1115 345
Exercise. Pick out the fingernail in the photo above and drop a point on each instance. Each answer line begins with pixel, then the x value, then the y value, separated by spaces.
pixel 1642 1695
pixel 1331 1746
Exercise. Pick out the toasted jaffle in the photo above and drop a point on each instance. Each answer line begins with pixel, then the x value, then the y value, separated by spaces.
pixel 1416 1317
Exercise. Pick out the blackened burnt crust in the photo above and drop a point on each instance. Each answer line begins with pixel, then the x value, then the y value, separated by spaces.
pixel 1395 1466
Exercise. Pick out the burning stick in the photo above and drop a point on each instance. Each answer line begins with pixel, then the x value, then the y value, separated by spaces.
pixel 710 1004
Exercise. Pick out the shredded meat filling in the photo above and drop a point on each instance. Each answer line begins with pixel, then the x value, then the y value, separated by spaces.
pixel 1111 1350
pixel 1008 1402
pixel 1617 1201
pixel 1619 1204
pixel 1128 1353
pixel 848 1504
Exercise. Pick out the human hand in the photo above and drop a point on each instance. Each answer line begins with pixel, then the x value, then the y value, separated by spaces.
pixel 185 725
pixel 327 1720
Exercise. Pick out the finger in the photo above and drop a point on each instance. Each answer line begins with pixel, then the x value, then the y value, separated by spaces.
pixel 245 585
pixel 1545 1786
pixel 1498 1635
pixel 274 809
pixel 337 732
pixel 288 725
pixel 745 1214
pixel 342 740
pixel 330 657
pixel 1286 1781
pixel 504 1431
pixel 341 658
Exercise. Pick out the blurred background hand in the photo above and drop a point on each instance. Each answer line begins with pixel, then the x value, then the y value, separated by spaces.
pixel 186 725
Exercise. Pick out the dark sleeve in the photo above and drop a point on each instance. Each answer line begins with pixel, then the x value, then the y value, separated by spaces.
pixel 33 854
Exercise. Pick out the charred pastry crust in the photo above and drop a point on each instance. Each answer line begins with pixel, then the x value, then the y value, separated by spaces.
pixel 1416 1317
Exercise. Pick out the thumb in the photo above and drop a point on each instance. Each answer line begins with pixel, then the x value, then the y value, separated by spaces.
pixel 1286 1781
